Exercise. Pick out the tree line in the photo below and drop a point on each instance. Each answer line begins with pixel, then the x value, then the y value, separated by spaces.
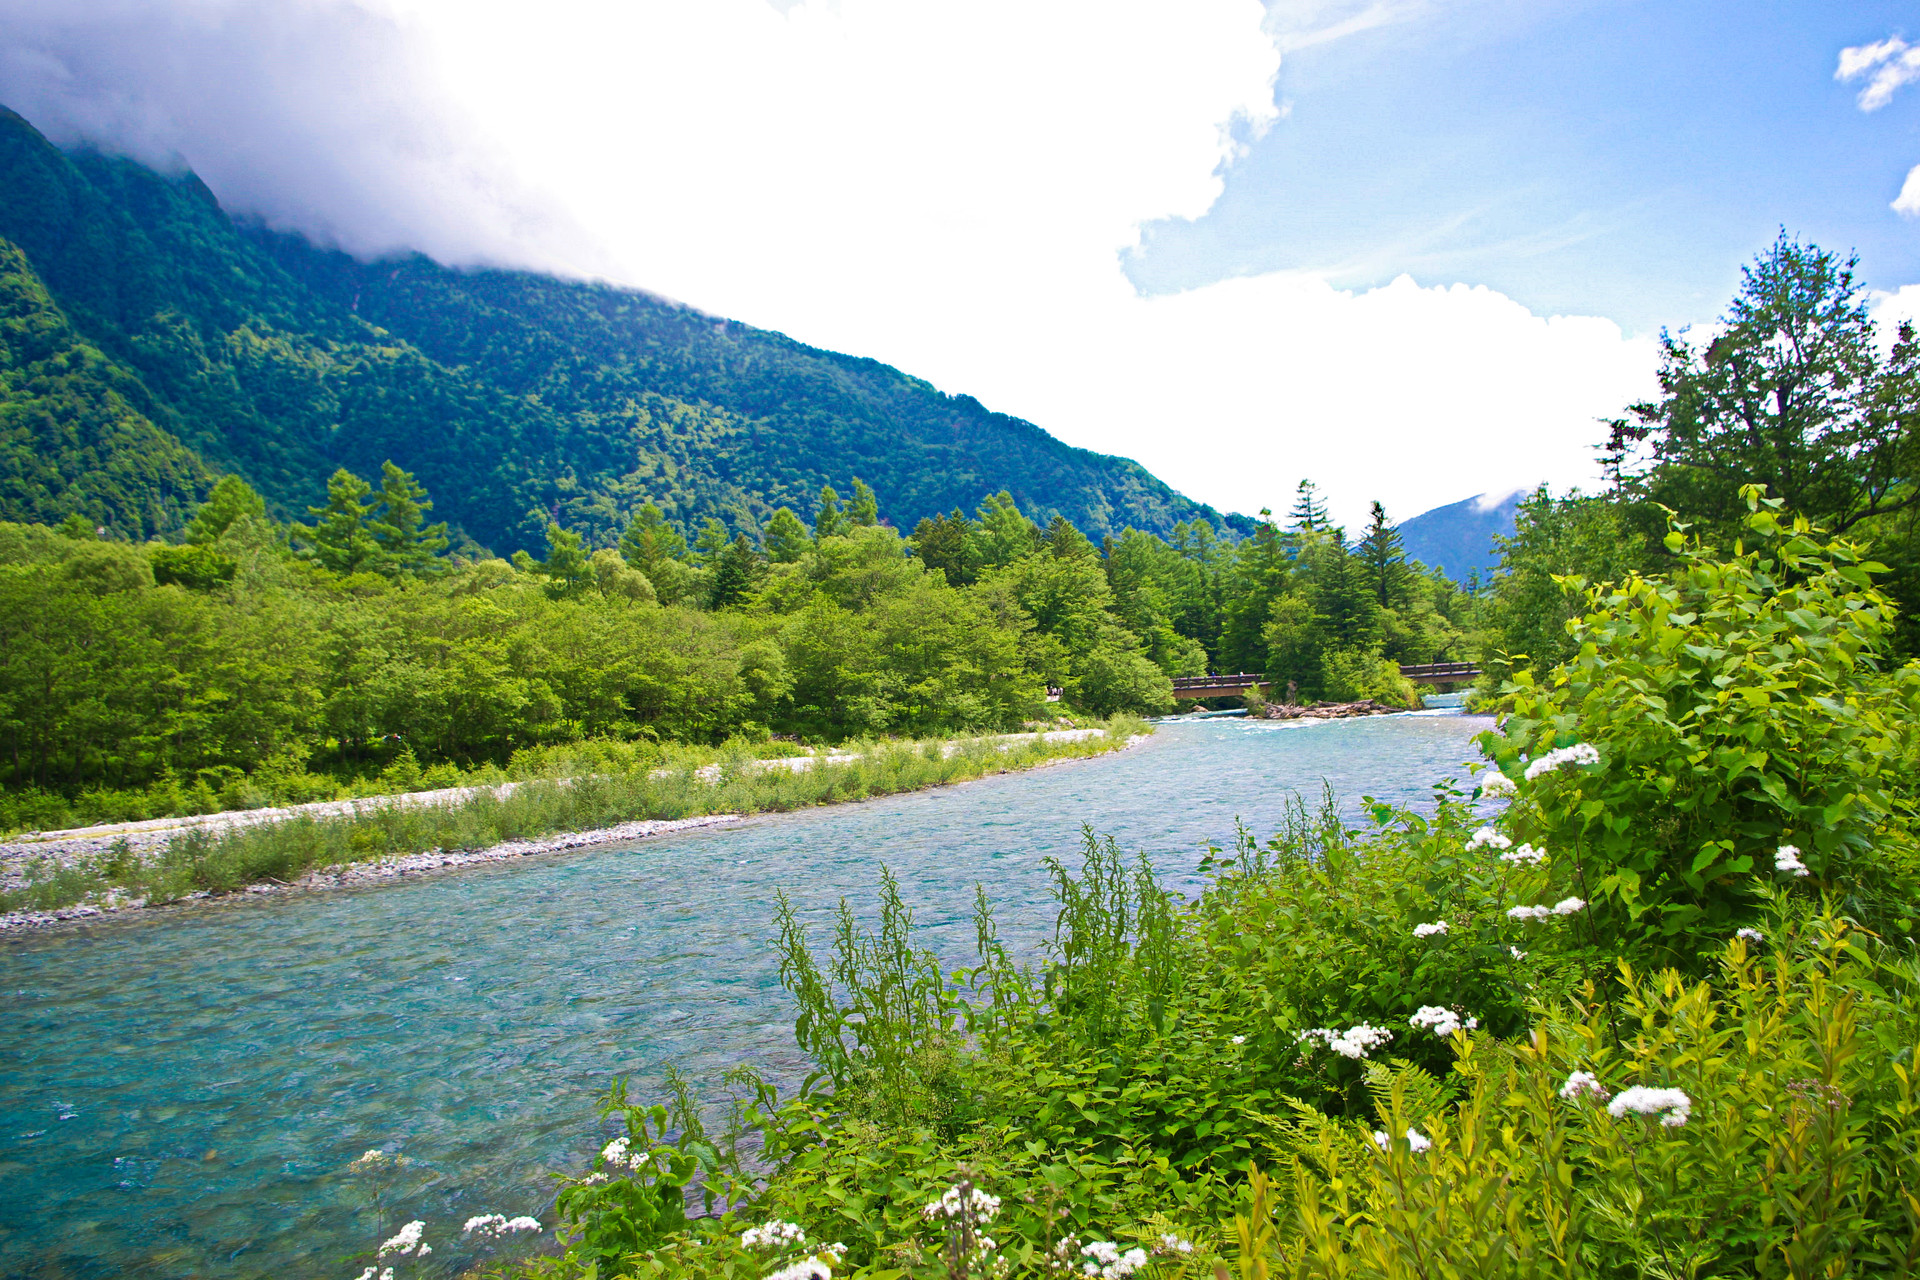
pixel 334 643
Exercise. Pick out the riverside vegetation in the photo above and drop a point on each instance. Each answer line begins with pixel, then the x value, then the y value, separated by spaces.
pixel 1657 1017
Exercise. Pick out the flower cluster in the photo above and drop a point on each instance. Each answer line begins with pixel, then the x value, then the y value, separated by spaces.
pixel 1488 838
pixel 498 1224
pixel 1584 1084
pixel 1354 1042
pixel 376 1160
pixel 1517 953
pixel 1442 1022
pixel 1577 754
pixel 1525 856
pixel 1170 1244
pixel 386 1273
pixel 407 1241
pixel 1671 1105
pixel 1428 930
pixel 1416 1141
pixel 805 1269
pixel 1105 1260
pixel 1239 1039
pixel 1564 907
pixel 773 1235
pixel 1751 935
pixel 1787 858
pixel 1497 785
pixel 963 1198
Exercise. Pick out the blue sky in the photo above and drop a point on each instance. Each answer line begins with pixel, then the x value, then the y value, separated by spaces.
pixel 1608 157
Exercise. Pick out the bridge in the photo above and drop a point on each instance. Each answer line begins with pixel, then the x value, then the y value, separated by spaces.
pixel 1240 683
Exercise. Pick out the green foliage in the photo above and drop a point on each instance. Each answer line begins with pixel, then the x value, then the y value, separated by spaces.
pixel 339 539
pixel 1736 707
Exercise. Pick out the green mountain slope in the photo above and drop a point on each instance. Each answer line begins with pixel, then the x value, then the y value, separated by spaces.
pixel 516 398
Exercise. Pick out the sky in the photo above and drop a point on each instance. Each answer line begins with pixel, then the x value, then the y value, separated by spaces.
pixel 1413 250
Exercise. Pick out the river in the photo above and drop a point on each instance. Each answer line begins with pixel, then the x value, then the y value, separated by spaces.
pixel 181 1090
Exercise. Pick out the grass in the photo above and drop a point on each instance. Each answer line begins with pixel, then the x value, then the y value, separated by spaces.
pixel 224 861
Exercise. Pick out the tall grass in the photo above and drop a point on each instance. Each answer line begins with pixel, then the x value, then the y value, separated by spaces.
pixel 221 861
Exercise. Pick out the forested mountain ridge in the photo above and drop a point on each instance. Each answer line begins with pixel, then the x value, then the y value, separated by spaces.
pixel 516 398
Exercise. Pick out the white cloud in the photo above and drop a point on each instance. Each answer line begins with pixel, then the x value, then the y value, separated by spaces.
pixel 1908 201
pixel 946 185
pixel 1892 62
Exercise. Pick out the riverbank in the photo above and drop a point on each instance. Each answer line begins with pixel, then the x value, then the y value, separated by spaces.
pixel 53 877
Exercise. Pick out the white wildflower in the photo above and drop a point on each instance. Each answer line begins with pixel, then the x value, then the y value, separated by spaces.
pixel 593 1179
pixel 1568 906
pixel 1530 913
pixel 1671 1105
pixel 772 1235
pixel 1106 1261
pixel 1416 1141
pixel 1496 784
pixel 615 1152
pixel 1239 1039
pixel 1525 856
pixel 973 1202
pixel 405 1240
pixel 805 1269
pixel 1583 1083
pixel 1442 1022
pixel 1488 838
pixel 367 1274
pixel 1355 1042
pixel 1751 935
pixel 1517 953
pixel 1171 1244
pixel 1578 754
pixel 1428 930
pixel 1787 858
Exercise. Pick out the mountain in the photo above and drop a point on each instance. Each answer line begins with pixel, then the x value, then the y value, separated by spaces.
pixel 149 341
pixel 1458 538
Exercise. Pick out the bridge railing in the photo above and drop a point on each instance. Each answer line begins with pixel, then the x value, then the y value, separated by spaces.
pixel 1238 680
pixel 1431 670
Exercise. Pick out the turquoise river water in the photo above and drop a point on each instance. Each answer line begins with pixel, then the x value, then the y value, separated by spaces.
pixel 182 1090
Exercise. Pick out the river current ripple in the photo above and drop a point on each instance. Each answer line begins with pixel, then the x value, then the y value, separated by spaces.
pixel 181 1090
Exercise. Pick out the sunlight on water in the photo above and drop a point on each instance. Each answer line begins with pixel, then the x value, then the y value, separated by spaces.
pixel 181 1093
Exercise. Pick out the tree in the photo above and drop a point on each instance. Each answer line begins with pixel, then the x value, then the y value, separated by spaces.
pixel 1309 514
pixel 1793 394
pixel 864 510
pixel 946 543
pixel 829 521
pixel 1065 541
pixel 1385 561
pixel 733 573
pixel 405 545
pixel 338 539
pixel 711 543
pixel 649 542
pixel 230 499
pixel 1005 534
pixel 568 568
pixel 786 537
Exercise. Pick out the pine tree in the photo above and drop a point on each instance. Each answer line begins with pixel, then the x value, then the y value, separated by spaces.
pixel 405 545
pixel 786 537
pixel 338 539
pixel 649 542
pixel 733 573
pixel 829 520
pixel 864 510
pixel 568 568
pixel 1385 560
pixel 1309 514
pixel 1065 541
pixel 712 541
pixel 946 543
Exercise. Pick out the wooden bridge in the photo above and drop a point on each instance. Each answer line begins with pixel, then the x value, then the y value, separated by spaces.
pixel 1442 673
pixel 1240 683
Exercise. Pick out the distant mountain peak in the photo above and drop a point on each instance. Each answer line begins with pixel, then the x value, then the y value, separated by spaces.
pixel 1458 538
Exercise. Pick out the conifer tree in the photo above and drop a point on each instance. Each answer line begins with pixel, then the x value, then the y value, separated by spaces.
pixel 864 511
pixel 338 539
pixel 946 543
pixel 733 573
pixel 829 520
pixel 568 568
pixel 711 543
pixel 1384 558
pixel 407 544
pixel 649 542
pixel 1309 514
